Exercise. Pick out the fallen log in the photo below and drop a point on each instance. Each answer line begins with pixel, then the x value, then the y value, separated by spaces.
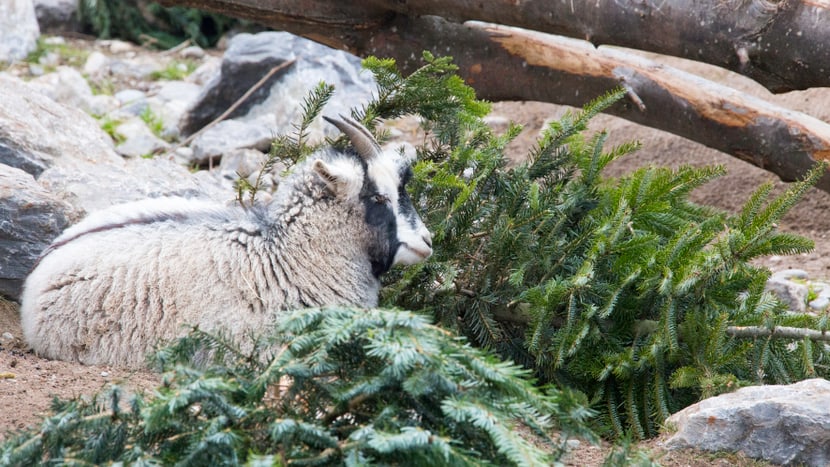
pixel 504 63
pixel 782 45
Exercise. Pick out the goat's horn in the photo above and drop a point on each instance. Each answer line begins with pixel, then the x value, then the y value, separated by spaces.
pixel 362 140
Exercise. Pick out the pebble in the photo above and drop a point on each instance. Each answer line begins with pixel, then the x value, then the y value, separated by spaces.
pixel 819 304
pixel 791 274
pixel 54 40
pixel 130 95
pixel 794 286
pixel 95 63
pixel 118 47
pixel 192 52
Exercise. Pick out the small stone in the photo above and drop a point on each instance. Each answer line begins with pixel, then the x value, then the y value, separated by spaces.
pixel 7 336
pixel 139 140
pixel 791 274
pixel 104 374
pixel 95 63
pixel 118 47
pixel 192 52
pixel 791 293
pixel 50 59
pixel 133 103
pixel 35 70
pixel 130 95
pixel 819 304
pixel 184 152
pixel 54 40
pixel 572 444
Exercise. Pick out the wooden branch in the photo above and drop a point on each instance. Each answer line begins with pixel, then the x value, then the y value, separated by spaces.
pixel 782 45
pixel 504 63
pixel 782 332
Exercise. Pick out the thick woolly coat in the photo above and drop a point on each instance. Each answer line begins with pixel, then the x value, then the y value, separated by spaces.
pixel 122 280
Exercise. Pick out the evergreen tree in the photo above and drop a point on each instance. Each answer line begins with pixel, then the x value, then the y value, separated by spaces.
pixel 348 387
pixel 620 288
pixel 151 24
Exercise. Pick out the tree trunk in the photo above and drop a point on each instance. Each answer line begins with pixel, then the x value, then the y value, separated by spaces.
pixel 784 45
pixel 504 63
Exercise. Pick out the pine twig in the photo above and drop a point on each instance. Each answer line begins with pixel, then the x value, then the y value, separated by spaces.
pixel 781 332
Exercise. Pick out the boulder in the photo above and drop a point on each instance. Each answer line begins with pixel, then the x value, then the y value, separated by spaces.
pixel 36 132
pixel 18 29
pixel 250 57
pixel 57 16
pixel 228 135
pixel 30 218
pixel 784 424
pixel 92 187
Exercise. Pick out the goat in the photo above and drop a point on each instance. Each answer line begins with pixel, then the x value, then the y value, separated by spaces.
pixel 129 277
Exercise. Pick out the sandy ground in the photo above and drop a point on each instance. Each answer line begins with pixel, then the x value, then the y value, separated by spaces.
pixel 28 384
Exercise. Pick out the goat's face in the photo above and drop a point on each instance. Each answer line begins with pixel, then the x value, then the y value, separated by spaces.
pixel 399 236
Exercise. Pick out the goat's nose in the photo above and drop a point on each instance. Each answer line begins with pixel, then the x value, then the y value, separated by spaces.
pixel 427 236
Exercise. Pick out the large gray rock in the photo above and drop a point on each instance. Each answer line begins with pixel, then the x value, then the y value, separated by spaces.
pixel 92 187
pixel 251 56
pixel 30 218
pixel 788 424
pixel 228 135
pixel 57 16
pixel 37 132
pixel 18 29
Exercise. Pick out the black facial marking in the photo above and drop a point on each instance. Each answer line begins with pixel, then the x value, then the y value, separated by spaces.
pixel 382 222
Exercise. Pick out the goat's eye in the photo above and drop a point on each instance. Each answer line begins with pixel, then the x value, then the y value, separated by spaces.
pixel 380 199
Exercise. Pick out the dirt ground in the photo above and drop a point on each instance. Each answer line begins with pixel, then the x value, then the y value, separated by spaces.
pixel 28 384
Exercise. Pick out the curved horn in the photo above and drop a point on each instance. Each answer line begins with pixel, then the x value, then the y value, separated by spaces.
pixel 362 140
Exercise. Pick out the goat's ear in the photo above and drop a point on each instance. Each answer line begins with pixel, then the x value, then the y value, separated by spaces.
pixel 341 177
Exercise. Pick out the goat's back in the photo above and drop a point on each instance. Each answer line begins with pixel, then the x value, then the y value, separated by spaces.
pixel 119 282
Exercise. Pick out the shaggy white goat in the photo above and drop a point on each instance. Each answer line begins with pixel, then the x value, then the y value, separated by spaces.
pixel 111 287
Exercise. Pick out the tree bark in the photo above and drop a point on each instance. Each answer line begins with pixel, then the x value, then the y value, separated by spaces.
pixel 504 63
pixel 784 45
